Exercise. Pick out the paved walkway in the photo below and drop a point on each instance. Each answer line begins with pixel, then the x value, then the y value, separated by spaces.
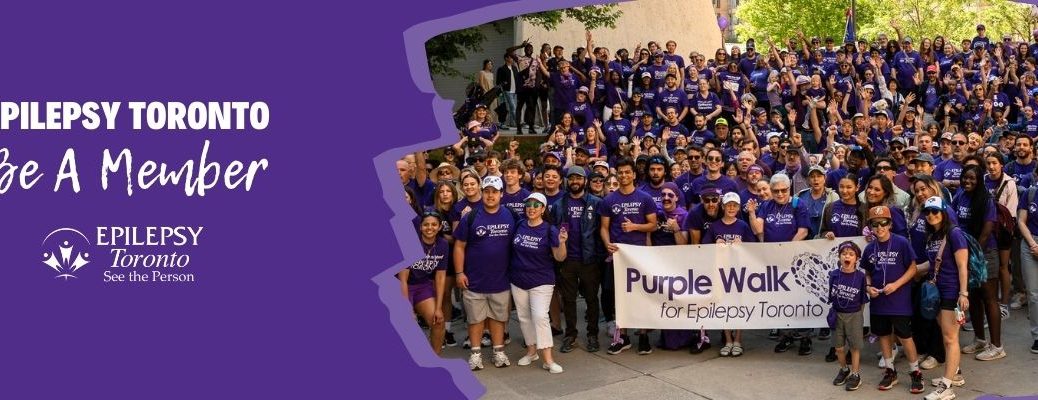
pixel 758 374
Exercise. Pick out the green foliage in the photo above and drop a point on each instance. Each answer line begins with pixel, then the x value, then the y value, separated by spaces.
pixel 780 20
pixel 444 49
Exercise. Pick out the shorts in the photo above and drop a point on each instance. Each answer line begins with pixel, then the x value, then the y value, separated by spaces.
pixel 991 258
pixel 480 306
pixel 849 328
pixel 420 292
pixel 883 325
pixel 949 304
pixel 1004 240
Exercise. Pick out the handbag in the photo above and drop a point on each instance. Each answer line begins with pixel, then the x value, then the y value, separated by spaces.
pixel 929 296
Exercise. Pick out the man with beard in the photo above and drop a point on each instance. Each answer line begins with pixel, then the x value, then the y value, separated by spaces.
pixel 578 212
pixel 671 127
pixel 1022 169
pixel 655 172
pixel 699 136
pixel 695 170
pixel 714 162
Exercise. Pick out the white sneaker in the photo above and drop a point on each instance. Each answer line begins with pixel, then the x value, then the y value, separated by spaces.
pixel 1004 310
pixel 957 381
pixel 1018 301
pixel 943 392
pixel 554 367
pixel 883 362
pixel 991 353
pixel 929 363
pixel 977 345
pixel 476 361
pixel 527 359
pixel 500 359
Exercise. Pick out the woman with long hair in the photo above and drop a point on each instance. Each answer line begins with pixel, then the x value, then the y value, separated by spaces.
pixel 976 214
pixel 948 253
pixel 1003 190
pixel 473 197
pixel 485 80
pixel 879 191
pixel 422 283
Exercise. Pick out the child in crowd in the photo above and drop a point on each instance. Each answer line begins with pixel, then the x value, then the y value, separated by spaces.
pixel 847 296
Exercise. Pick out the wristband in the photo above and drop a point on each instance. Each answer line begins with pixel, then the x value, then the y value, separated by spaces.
pixel 460 273
pixel 963 294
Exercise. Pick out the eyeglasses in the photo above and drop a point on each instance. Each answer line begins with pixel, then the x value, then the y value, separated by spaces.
pixel 614 184
pixel 932 211
pixel 446 172
pixel 713 159
pixel 711 200
pixel 534 204
pixel 880 224
pixel 670 196
pixel 884 168
pixel 958 142
pixel 694 157
pixel 780 190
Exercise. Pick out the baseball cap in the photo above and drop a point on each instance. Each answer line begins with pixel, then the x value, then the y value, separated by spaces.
pixel 537 196
pixel 947 136
pixel 815 168
pixel 908 39
pixel 910 149
pixel 494 182
pixel 869 87
pixel 576 170
pixel 602 164
pixel 878 212
pixel 931 68
pixel 923 157
pixel 774 134
pixel 551 154
pixel 710 191
pixel 899 140
pixel 481 105
pixel 581 149
pixel 849 245
pixel 646 75
pixel 934 203
pixel 730 197
pixel 721 121
pixel 472 124
pixel 803 79
pixel 621 139
pixel 583 89
pixel 658 160
pixel 755 167
pixel 857 115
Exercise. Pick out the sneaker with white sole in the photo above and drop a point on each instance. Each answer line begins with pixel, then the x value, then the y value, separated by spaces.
pixel 929 363
pixel 1003 309
pixel 485 341
pixel 1017 302
pixel 527 359
pixel 957 380
pixel 883 362
pixel 943 392
pixel 501 360
pixel 619 346
pixel 554 367
pixel 991 353
pixel 976 346
pixel 476 361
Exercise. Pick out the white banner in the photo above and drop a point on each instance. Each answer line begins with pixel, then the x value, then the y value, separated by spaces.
pixel 737 286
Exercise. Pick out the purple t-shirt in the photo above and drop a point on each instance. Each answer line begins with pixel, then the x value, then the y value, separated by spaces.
pixel 565 90
pixel 918 236
pixel 948 275
pixel 719 231
pixel 672 98
pixel 655 193
pixel 724 183
pixel 781 222
pixel 460 205
pixel 845 221
pixel 515 201
pixel 635 206
pixel 948 170
pixel 532 263
pixel 705 105
pixel 699 220
pixel 1032 211
pixel 847 290
pixel 574 245
pixel 487 248
pixel 423 271
pixel 886 263
pixel 698 138
pixel 663 236
pixel 684 182
pixel 964 211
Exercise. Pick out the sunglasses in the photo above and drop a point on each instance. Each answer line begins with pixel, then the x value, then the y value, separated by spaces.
pixel 958 142
pixel 597 181
pixel 711 200
pixel 695 157
pixel 880 224
pixel 884 168
pixel 932 211
pixel 534 204
pixel 432 214
pixel 670 196
pixel 713 159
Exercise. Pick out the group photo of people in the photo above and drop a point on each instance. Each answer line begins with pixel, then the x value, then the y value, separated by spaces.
pixel 923 145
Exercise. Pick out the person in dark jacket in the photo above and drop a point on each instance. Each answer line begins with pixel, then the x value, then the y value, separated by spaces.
pixel 578 213
pixel 508 79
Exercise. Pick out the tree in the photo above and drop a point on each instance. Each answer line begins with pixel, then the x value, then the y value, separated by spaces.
pixel 442 50
pixel 780 20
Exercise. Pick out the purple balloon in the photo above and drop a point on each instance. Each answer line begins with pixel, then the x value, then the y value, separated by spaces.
pixel 722 22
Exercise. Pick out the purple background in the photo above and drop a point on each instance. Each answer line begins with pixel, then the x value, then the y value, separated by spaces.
pixel 285 305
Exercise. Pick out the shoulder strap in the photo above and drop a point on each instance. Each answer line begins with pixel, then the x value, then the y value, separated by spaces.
pixel 940 256
pixel 827 214
pixel 470 219
pixel 1001 187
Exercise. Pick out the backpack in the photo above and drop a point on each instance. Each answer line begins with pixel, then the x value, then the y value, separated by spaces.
pixel 1005 222
pixel 977 266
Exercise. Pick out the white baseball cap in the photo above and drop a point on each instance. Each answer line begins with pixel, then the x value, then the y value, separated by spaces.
pixel 537 196
pixel 934 203
pixel 492 181
pixel 730 197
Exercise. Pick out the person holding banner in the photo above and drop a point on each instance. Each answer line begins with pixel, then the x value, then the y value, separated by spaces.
pixel 948 252
pixel 531 273
pixel 730 229
pixel 890 262
pixel 706 212
pixel 785 222
pixel 628 217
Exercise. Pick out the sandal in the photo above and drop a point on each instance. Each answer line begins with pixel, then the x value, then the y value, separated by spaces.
pixel 736 349
pixel 726 350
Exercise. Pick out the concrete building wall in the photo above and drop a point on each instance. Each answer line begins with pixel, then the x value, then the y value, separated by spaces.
pixel 493 49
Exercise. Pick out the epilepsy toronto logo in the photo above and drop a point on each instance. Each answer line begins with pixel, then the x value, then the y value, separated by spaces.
pixel 66 250
pixel 811 272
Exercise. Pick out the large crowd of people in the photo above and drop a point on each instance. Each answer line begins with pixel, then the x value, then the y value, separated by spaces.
pixel 925 146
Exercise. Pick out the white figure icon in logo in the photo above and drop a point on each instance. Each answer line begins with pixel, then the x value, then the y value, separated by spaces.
pixel 67 260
